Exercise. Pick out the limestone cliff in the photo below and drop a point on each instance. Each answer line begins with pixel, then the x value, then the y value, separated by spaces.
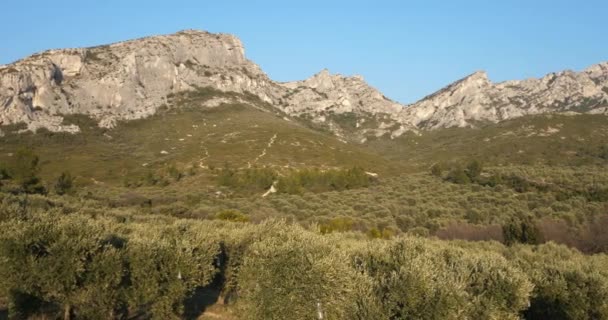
pixel 132 80
pixel 475 98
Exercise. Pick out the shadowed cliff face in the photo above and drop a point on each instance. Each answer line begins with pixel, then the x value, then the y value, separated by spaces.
pixel 132 79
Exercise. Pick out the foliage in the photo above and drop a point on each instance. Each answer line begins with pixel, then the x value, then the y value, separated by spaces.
pixel 566 285
pixel 90 272
pixel 295 275
pixel 256 180
pixel 417 280
pixel 24 171
pixel 247 180
pixel 114 265
pixel 458 175
pixel 339 224
pixel 232 215
pixel 143 248
pixel 64 183
pixel 521 230
pixel 315 180
pixel 436 170
pixel 473 170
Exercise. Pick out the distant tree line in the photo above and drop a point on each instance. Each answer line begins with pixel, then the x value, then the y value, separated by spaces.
pixel 294 181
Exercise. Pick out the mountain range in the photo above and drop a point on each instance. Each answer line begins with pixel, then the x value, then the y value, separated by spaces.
pixel 134 79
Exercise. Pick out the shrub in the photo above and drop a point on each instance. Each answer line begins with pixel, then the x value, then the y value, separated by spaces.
pixel 25 170
pixel 473 170
pixel 175 174
pixel 566 284
pixel 293 274
pixel 86 270
pixel 340 224
pixel 471 232
pixel 43 261
pixel 436 170
pixel 375 233
pixel 417 280
pixel 232 215
pixel 247 180
pixel 458 175
pixel 522 230
pixel 64 183
pixel 166 265
pixel 315 180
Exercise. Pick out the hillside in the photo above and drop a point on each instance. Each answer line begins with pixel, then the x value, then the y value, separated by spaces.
pixel 169 177
pixel 188 136
pixel 132 80
pixel 532 140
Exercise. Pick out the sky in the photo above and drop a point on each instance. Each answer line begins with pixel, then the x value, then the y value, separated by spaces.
pixel 406 49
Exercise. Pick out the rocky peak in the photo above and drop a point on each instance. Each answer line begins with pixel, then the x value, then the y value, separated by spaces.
pixel 467 85
pixel 132 79
pixel 479 78
pixel 598 71
pixel 124 80
pixel 475 98
pixel 325 92
pixel 323 80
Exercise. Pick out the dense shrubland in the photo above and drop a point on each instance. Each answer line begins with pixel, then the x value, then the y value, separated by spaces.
pixel 117 264
pixel 295 181
pixel 336 241
pixel 524 204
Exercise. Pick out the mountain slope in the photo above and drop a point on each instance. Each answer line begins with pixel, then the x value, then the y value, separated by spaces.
pixel 127 80
pixel 476 98
pixel 556 139
pixel 188 135
pixel 133 79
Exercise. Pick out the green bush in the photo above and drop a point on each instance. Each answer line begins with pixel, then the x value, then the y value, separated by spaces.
pixel 436 170
pixel 418 280
pixel 293 274
pixel 316 180
pixel 232 215
pixel 340 224
pixel 458 175
pixel 473 170
pixel 567 285
pixel 522 230
pixel 85 271
pixel 166 265
pixel 64 183
pixel 247 180
pixel 62 262
pixel 24 171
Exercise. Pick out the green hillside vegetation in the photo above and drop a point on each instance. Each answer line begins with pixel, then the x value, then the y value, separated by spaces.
pixel 243 211
pixel 187 136
pixel 531 140
pixel 102 264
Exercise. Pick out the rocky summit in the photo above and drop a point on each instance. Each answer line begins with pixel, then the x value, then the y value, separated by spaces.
pixel 133 79
pixel 476 98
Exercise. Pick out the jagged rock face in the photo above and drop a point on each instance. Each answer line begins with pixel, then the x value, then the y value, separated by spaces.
pixel 475 98
pixel 132 79
pixel 336 93
pixel 324 97
pixel 127 80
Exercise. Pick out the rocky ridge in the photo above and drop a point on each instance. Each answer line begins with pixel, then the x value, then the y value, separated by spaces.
pixel 133 79
pixel 475 98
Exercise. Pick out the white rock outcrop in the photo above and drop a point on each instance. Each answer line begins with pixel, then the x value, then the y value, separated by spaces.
pixel 475 98
pixel 122 81
pixel 132 79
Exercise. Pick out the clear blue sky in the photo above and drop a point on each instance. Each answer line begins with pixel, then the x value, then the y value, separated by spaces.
pixel 407 49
